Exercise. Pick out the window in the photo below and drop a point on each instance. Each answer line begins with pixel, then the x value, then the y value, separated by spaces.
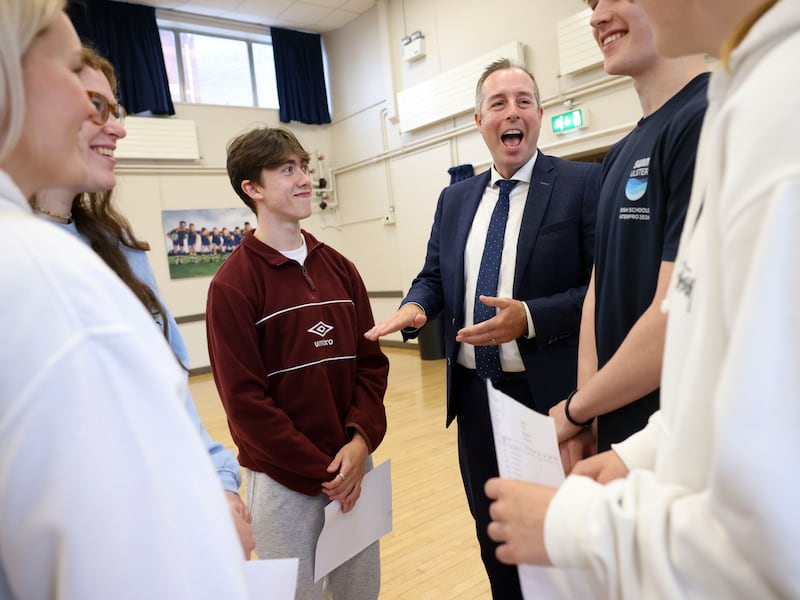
pixel 266 87
pixel 210 68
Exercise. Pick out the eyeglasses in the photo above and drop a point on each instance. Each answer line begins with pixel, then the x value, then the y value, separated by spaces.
pixel 105 108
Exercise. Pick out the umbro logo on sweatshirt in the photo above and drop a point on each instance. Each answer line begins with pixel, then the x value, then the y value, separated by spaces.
pixel 322 329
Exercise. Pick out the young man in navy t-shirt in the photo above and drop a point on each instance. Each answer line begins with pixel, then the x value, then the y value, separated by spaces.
pixel 645 188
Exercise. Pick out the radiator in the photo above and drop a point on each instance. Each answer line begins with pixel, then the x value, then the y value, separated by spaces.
pixel 162 138
pixel 577 49
pixel 450 93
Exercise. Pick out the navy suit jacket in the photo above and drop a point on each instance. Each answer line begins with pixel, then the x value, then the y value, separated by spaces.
pixel 554 263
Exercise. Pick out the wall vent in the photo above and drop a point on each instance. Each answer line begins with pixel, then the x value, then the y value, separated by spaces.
pixel 159 138
pixel 577 49
pixel 449 93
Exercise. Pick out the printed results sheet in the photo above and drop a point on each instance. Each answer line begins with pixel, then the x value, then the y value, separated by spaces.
pixel 527 449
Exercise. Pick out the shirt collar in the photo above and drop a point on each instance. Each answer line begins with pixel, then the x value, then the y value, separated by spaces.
pixel 524 173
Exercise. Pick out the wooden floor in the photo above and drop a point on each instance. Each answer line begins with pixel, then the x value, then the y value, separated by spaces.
pixel 432 552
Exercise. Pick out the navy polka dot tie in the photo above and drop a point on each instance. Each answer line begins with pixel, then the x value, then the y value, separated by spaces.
pixel 487 358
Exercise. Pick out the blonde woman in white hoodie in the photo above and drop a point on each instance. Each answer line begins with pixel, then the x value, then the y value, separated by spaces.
pixel 703 502
pixel 91 397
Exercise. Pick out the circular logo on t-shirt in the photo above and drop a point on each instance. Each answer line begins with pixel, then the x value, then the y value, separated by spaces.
pixel 635 188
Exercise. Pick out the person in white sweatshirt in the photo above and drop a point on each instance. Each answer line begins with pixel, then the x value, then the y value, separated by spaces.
pixel 702 503
pixel 91 396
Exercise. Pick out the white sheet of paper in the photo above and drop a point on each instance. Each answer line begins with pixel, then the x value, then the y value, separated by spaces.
pixel 527 449
pixel 346 534
pixel 275 579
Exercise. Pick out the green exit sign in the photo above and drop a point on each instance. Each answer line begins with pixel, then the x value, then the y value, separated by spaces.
pixel 568 121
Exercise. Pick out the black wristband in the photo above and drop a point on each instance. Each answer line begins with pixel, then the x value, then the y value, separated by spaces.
pixel 569 417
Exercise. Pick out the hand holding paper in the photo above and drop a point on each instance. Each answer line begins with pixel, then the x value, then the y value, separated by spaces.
pixel 528 459
pixel 346 534
pixel 518 520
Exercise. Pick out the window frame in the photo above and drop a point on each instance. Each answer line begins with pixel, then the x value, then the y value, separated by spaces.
pixel 176 23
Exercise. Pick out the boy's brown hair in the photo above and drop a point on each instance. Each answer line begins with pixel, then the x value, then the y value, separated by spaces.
pixel 262 148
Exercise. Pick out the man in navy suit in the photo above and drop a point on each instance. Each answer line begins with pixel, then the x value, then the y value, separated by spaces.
pixel 544 270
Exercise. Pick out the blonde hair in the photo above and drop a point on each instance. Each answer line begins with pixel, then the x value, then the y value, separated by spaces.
pixel 20 22
pixel 739 32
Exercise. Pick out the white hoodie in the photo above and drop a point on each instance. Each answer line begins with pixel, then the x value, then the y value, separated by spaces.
pixel 105 488
pixel 710 507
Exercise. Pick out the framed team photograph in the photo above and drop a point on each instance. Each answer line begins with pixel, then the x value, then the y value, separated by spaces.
pixel 199 240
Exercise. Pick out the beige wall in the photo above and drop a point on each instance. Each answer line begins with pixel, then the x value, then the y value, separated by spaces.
pixel 377 169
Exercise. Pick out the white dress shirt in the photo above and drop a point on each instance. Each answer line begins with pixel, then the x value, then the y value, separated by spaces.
pixel 510 358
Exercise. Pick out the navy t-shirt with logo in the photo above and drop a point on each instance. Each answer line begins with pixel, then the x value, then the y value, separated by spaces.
pixel 645 189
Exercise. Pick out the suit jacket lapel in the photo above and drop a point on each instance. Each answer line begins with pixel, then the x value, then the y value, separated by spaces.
pixel 539 194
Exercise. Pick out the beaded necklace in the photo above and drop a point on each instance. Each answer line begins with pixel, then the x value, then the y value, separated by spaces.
pixel 66 219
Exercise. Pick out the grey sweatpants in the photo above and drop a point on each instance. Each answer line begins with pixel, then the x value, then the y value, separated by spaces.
pixel 287 524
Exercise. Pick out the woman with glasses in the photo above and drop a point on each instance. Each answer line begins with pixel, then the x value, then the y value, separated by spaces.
pixel 86 211
pixel 91 398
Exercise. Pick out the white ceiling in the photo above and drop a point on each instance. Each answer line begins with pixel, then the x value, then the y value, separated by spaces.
pixel 317 16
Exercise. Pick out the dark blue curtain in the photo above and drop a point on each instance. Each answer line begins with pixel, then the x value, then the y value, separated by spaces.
pixel 127 35
pixel 300 76
pixel 460 173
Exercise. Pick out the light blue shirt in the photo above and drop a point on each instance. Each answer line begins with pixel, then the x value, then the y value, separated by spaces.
pixel 225 462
